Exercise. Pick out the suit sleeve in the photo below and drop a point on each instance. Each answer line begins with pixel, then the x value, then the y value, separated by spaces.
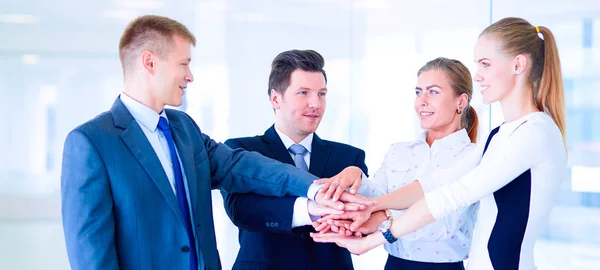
pixel 240 171
pixel 360 162
pixel 87 206
pixel 258 213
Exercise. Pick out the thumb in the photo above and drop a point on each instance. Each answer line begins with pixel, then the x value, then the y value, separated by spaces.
pixel 355 186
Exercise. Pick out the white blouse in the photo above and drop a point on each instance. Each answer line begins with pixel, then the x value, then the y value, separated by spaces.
pixel 447 239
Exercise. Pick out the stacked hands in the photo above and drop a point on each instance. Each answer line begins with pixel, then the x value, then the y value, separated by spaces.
pixel 345 217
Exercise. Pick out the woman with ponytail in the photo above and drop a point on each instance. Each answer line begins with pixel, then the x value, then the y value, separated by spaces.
pixel 522 163
pixel 443 93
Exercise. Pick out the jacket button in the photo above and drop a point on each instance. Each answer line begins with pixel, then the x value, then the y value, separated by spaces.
pixel 185 249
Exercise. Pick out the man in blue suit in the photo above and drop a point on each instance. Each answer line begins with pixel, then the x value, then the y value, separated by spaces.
pixel 136 180
pixel 274 232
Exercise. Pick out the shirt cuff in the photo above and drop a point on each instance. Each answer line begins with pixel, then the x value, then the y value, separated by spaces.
pixel 312 191
pixel 300 216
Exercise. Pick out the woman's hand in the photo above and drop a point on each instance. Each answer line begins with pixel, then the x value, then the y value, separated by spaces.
pixel 354 244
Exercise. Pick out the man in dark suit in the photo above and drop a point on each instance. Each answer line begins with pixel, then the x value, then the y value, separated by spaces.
pixel 274 232
pixel 136 180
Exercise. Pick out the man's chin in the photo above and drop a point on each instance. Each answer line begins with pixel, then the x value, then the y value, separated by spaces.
pixel 175 103
pixel 309 130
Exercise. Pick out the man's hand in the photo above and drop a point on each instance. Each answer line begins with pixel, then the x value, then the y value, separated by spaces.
pixel 354 244
pixel 319 210
pixel 358 217
pixel 348 202
pixel 333 187
pixel 328 226
pixel 371 225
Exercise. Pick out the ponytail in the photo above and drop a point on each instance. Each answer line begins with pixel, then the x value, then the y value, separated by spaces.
pixel 471 123
pixel 550 94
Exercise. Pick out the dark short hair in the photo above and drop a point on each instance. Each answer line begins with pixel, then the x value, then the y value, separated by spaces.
pixel 286 62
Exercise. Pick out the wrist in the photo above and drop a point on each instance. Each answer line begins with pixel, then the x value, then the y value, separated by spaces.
pixel 380 216
pixel 358 170
pixel 376 239
pixel 379 205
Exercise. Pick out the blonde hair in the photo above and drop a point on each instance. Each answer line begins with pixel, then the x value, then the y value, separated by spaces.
pixel 462 83
pixel 520 37
pixel 150 32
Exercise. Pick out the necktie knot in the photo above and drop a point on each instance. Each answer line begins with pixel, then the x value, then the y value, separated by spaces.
pixel 163 125
pixel 298 149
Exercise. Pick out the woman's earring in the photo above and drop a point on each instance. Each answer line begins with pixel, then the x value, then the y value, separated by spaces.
pixel 459 110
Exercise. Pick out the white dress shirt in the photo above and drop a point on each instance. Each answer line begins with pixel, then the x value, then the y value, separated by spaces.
pixel 147 119
pixel 530 147
pixel 447 239
pixel 300 216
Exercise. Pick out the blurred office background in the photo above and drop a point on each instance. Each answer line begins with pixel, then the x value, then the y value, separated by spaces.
pixel 59 67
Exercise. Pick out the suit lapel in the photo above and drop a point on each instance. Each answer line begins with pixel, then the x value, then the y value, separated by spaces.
pixel 185 150
pixel 319 156
pixel 275 145
pixel 136 141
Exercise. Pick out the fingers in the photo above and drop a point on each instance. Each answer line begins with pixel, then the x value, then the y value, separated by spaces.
pixel 354 198
pixel 325 237
pixel 331 189
pixel 354 207
pixel 330 203
pixel 316 209
pixel 320 226
pixel 338 192
pixel 345 215
pixel 331 211
pixel 345 223
pixel 356 224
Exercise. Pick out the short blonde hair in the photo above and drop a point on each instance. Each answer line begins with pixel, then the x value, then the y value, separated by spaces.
pixel 150 32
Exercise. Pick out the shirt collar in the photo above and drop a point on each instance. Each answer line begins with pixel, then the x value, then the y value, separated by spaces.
pixel 288 142
pixel 145 115
pixel 454 141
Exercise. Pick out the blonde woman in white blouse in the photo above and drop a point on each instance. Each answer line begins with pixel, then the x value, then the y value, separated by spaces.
pixel 443 92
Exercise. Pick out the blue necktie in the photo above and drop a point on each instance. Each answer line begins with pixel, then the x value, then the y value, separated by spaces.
pixel 299 151
pixel 184 207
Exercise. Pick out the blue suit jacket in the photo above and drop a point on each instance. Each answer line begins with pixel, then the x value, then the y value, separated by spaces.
pixel 267 240
pixel 119 210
